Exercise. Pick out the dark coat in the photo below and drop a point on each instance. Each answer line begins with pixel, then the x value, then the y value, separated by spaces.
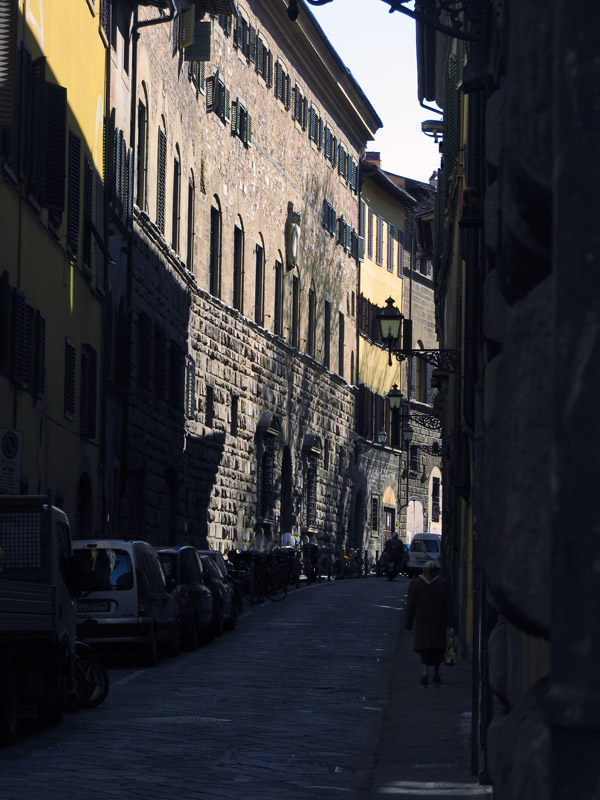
pixel 429 607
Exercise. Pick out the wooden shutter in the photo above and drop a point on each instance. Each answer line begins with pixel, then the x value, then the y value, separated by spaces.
pixel 8 60
pixel 53 196
pixel 252 44
pixel 200 49
pixel 21 344
pixel 129 185
pixel 211 82
pixel 69 386
pixel 162 178
pixel 88 206
pixel 73 200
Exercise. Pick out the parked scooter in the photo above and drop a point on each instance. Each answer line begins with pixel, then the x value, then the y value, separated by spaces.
pixel 90 684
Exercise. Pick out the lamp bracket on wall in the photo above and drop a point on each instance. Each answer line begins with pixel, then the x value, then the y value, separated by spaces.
pixel 445 360
pixel 427 421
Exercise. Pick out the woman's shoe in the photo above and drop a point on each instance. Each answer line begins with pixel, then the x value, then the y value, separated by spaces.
pixel 424 681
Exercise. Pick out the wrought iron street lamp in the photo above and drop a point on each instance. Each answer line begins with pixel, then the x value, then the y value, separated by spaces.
pixel 395 328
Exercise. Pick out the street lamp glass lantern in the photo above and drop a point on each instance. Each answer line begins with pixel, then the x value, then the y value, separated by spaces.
pixel 390 322
pixel 395 397
pixel 407 434
pixel 382 436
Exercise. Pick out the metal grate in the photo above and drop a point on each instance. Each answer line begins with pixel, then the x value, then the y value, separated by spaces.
pixel 21 541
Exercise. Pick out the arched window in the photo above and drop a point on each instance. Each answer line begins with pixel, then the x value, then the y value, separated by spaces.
pixel 278 309
pixel 214 273
pixel 176 209
pixel 161 179
pixel 312 317
pixel 191 210
pixel 259 292
pixel 238 265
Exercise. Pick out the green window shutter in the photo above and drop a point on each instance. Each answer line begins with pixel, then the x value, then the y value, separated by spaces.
pixel 320 133
pixel 88 207
pixel 73 200
pixel 162 179
pixel 8 61
pixel 235 125
pixel 260 57
pixel 186 27
pixel 37 115
pixel 200 49
pixel 53 196
pixel 287 92
pixel 226 108
pixel 278 80
pixel 252 44
pixel 210 92
pixel 248 136
pixel 326 207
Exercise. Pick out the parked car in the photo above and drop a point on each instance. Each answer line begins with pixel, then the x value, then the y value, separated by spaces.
pixel 226 570
pixel 222 588
pixel 423 547
pixel 187 582
pixel 125 604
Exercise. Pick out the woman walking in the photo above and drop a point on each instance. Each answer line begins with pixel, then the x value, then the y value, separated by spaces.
pixel 429 607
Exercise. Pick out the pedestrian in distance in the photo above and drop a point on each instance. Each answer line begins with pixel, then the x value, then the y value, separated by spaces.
pixel 429 608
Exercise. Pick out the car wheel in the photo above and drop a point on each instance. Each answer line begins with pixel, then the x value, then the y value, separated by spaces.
pixel 150 651
pixel 231 622
pixel 217 620
pixel 193 640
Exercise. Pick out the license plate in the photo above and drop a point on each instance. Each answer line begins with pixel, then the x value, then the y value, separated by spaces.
pixel 93 605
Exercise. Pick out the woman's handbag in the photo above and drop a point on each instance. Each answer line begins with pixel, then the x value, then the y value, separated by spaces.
pixel 450 654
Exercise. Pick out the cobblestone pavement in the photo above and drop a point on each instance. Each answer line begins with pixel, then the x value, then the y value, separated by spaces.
pixel 313 697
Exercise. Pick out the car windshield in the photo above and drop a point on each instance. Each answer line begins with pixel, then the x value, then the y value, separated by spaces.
pixel 104 568
pixel 425 546
pixel 169 564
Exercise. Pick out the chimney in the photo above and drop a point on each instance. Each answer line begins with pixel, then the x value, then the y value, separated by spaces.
pixel 374 158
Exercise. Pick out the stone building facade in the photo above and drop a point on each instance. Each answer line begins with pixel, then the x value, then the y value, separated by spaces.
pixel 240 255
pixel 516 279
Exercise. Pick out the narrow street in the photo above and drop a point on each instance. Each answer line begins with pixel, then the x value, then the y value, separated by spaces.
pixel 290 704
pixel 295 704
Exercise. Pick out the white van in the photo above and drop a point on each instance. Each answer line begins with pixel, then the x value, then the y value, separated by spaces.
pixel 125 604
pixel 424 547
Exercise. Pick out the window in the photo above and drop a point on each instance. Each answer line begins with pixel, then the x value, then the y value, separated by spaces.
pixel 176 203
pixel 241 122
pixel 312 313
pixel 191 210
pixel 310 491
pixel 327 335
pixel 315 127
pixel 414 458
pixel 142 156
pixel 264 61
pixel 370 235
pixel 259 294
pixel 73 199
pixel 375 513
pixel 400 252
pixel 234 415
pixel 300 107
pixel 69 388
pixel 341 344
pixel 435 500
pixel 330 146
pixel 379 242
pixel 218 98
pixel 283 86
pixel 161 180
pixel 278 315
pixel 215 252
pixel 87 399
pixel 88 210
pixel 241 38
pixel 238 268
pixel 295 312
pixel 342 164
pixel 210 407
pixel 329 218
pixel 390 247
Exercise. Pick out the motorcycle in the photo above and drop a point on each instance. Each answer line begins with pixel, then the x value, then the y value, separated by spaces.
pixel 392 569
pixel 90 683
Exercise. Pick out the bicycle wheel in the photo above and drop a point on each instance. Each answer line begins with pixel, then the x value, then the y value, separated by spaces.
pixel 277 592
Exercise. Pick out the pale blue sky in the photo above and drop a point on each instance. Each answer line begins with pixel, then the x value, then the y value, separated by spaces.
pixel 379 50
